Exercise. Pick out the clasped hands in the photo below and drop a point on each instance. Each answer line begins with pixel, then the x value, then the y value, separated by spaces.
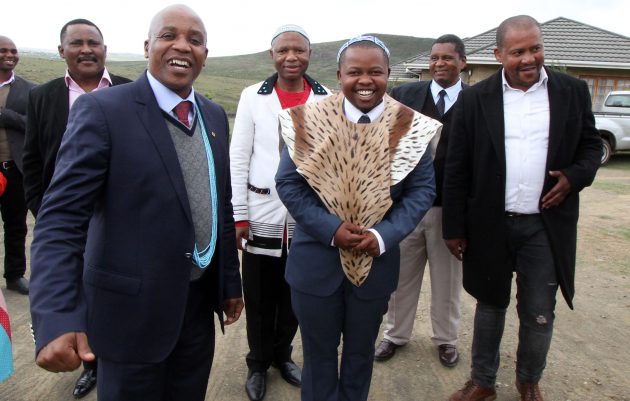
pixel 352 237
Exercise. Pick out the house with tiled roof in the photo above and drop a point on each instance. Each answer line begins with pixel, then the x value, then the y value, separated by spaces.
pixel 599 57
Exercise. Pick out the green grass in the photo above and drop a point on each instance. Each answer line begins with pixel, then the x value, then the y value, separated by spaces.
pixel 625 232
pixel 223 78
pixel 615 187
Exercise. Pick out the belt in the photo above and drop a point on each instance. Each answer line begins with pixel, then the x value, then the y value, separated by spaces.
pixel 7 164
pixel 261 191
pixel 515 214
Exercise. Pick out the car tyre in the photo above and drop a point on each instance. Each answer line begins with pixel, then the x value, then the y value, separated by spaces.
pixel 607 151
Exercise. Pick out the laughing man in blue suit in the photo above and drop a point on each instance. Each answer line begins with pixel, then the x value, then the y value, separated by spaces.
pixel 134 242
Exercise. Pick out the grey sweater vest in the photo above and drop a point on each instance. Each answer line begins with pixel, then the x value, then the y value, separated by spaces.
pixel 193 161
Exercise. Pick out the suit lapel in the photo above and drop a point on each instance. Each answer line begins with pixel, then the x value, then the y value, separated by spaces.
pixel 61 99
pixel 420 97
pixel 558 114
pixel 491 102
pixel 151 117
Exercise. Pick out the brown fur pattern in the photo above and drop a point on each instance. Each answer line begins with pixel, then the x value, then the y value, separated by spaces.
pixel 352 166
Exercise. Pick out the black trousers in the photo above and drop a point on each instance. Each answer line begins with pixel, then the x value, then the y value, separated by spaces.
pixel 184 375
pixel 13 210
pixel 271 324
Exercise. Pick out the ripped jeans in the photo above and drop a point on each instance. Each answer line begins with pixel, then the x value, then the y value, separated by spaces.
pixel 536 287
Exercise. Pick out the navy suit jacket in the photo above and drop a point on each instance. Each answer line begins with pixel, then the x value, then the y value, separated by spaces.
pixel 46 122
pixel 314 266
pixel 125 279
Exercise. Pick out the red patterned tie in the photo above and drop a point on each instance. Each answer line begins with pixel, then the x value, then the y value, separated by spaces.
pixel 182 110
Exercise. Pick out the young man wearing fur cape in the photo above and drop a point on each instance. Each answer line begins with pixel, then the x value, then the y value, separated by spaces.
pixel 356 175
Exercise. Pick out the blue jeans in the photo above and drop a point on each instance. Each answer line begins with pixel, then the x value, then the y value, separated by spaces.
pixel 536 287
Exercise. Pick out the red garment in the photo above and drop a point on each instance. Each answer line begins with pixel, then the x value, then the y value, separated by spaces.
pixel 3 183
pixel 291 99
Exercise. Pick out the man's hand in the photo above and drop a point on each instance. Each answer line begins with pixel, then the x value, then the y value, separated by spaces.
pixel 232 308
pixel 242 233
pixel 457 247
pixel 65 353
pixel 556 195
pixel 368 245
pixel 348 236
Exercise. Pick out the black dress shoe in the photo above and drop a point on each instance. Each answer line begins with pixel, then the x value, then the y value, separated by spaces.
pixel 85 383
pixel 256 385
pixel 385 350
pixel 18 284
pixel 448 355
pixel 290 372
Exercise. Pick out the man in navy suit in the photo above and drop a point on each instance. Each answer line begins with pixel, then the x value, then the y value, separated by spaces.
pixel 134 242
pixel 347 150
pixel 83 48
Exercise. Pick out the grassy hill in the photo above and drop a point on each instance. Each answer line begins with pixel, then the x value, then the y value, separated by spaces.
pixel 224 78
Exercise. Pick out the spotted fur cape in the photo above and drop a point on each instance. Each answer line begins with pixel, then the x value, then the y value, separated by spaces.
pixel 351 167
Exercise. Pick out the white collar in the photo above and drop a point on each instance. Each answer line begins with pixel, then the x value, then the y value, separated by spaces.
pixel 166 98
pixel 451 92
pixel 542 81
pixel 8 81
pixel 353 114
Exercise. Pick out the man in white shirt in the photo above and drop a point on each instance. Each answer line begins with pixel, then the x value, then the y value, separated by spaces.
pixel 523 144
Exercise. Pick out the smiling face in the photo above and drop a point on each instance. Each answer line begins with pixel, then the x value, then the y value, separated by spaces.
pixel 522 55
pixel 362 75
pixel 83 49
pixel 290 53
pixel 445 64
pixel 176 48
pixel 9 56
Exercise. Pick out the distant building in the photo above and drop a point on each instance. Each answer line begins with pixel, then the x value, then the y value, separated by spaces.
pixel 599 57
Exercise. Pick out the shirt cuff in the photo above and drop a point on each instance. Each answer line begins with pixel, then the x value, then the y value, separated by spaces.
pixel 381 243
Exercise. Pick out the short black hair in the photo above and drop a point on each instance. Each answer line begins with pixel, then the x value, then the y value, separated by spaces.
pixel 460 48
pixel 518 21
pixel 78 21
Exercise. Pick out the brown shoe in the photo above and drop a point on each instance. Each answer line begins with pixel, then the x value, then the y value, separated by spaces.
pixel 385 350
pixel 474 392
pixel 529 391
pixel 448 355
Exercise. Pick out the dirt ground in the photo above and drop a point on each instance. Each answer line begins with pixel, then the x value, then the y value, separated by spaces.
pixel 589 358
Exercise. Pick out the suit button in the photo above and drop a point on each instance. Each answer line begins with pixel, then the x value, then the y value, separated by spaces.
pixel 188 255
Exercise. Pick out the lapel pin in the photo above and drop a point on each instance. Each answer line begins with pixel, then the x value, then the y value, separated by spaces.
pixel 213 134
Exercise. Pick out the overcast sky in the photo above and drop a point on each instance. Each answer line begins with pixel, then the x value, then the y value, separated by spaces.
pixel 246 26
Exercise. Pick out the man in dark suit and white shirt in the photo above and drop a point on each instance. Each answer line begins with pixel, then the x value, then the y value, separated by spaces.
pixel 13 101
pixel 523 145
pixel 83 49
pixel 134 245
pixel 434 99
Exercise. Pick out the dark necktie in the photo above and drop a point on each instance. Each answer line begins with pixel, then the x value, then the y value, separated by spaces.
pixel 440 102
pixel 364 119
pixel 182 110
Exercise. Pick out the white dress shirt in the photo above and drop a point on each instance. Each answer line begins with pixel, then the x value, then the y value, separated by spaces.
pixel 167 99
pixel 353 114
pixel 452 92
pixel 526 115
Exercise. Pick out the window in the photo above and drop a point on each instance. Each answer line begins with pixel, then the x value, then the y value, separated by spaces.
pixel 601 86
